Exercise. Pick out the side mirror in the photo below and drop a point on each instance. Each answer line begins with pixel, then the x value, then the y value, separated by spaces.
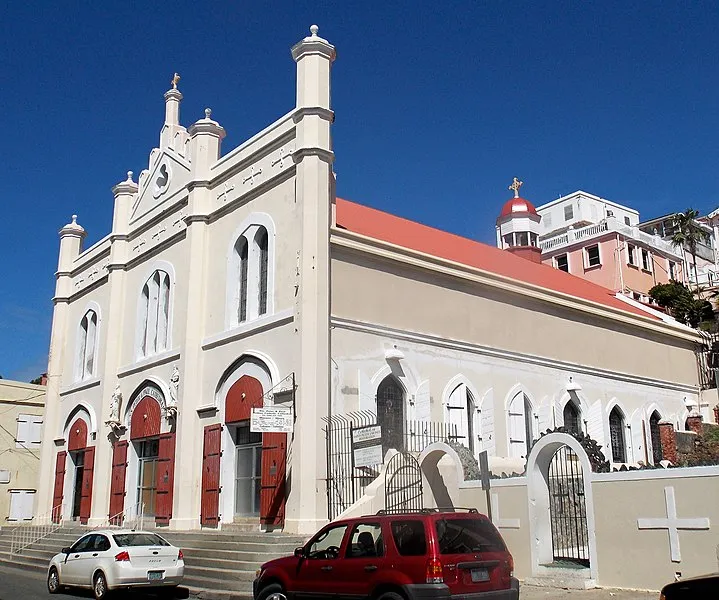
pixel 65 550
pixel 300 552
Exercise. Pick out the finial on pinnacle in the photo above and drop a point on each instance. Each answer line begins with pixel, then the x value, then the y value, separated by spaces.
pixel 129 176
pixel 313 30
pixel 208 112
pixel 516 184
pixel 174 81
pixel 74 219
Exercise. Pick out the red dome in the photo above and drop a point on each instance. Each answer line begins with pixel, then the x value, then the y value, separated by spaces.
pixel 517 205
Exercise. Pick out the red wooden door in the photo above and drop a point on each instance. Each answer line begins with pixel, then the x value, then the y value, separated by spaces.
pixel 86 494
pixel 117 486
pixel 165 478
pixel 59 482
pixel 244 395
pixel 272 491
pixel 210 510
pixel 77 437
pixel 146 417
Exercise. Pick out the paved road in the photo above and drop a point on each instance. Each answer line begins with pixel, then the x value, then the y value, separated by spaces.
pixel 16 584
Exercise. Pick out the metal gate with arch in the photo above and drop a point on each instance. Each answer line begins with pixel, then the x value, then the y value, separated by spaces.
pixel 403 484
pixel 567 508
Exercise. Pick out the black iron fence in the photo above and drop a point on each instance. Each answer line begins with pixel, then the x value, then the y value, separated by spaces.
pixel 346 482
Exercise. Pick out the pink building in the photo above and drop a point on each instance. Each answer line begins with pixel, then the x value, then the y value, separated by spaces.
pixel 591 238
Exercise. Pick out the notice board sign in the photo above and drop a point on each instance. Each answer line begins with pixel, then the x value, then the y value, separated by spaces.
pixel 271 419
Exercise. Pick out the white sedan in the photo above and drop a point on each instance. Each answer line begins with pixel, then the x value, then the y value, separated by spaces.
pixel 107 560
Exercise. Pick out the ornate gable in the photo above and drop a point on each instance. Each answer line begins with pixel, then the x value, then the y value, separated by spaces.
pixel 168 172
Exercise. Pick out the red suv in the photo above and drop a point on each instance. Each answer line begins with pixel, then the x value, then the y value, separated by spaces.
pixel 423 555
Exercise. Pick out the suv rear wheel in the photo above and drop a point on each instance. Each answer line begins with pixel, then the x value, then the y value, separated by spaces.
pixel 274 591
pixel 390 596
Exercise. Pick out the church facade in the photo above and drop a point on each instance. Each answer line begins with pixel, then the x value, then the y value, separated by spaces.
pixel 239 280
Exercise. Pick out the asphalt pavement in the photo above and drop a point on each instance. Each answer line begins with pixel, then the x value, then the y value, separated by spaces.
pixel 21 584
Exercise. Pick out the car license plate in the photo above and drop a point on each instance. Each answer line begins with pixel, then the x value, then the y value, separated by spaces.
pixel 154 575
pixel 479 575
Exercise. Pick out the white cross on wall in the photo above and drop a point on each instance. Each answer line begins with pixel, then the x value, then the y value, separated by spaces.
pixel 252 175
pixel 673 524
pixel 498 522
pixel 281 160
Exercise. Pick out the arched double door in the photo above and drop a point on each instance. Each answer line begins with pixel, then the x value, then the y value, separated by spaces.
pixel 74 468
pixel 257 461
pixel 151 454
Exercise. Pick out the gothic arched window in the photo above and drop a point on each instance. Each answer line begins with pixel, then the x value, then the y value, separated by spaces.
pixel 155 314
pixel 572 420
pixel 390 413
pixel 616 434
pixel 262 246
pixel 241 248
pixel 462 414
pixel 656 438
pixel 86 355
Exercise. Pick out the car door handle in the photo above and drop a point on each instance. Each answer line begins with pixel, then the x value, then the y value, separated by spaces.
pixel 326 568
pixel 76 556
pixel 370 568
pixel 95 554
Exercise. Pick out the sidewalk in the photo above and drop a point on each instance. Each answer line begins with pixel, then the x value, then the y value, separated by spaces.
pixel 530 592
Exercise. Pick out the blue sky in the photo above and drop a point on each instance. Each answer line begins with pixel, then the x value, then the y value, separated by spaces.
pixel 438 105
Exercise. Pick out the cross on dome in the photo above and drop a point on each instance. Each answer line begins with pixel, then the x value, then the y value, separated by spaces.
pixel 516 184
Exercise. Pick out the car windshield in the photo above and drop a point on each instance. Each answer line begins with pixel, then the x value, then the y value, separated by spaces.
pixel 464 536
pixel 139 539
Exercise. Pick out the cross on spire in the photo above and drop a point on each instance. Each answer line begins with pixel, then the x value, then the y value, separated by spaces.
pixel 516 184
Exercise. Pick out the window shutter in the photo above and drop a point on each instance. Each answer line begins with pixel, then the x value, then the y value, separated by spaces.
pixel 456 413
pixel 636 452
pixel 487 421
pixel 595 424
pixel 516 428
pixel 35 428
pixel 21 504
pixel 24 433
pixel 422 406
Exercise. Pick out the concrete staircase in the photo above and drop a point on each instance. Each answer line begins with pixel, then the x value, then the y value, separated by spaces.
pixel 219 561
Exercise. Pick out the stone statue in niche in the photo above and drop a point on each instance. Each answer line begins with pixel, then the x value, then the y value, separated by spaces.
pixel 114 421
pixel 115 401
pixel 174 388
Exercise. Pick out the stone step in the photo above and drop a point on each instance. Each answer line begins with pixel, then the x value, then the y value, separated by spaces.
pixel 209 582
pixel 256 557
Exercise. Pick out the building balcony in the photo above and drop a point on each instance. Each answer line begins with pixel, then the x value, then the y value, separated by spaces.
pixel 572 237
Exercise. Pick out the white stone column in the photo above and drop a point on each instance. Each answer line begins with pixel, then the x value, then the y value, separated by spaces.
pixel 306 504
pixel 71 237
pixel 205 138
pixel 115 328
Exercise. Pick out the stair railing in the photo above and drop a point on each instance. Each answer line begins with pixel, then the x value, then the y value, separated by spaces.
pixel 132 517
pixel 29 533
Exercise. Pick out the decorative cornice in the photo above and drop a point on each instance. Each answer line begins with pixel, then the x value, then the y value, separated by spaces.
pixel 247 329
pixel 207 411
pixel 317 111
pixel 119 237
pixel 146 363
pixel 519 357
pixel 189 219
pixel 80 385
pixel 326 155
pixel 367 245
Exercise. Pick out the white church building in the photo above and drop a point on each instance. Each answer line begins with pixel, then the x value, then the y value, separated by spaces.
pixel 237 280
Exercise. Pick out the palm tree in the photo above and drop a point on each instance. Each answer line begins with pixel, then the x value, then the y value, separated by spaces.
pixel 688 234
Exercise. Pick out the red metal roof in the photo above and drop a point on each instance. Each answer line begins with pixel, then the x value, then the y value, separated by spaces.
pixel 517 205
pixel 395 230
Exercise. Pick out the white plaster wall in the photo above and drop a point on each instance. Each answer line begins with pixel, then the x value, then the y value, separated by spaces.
pixel 360 356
